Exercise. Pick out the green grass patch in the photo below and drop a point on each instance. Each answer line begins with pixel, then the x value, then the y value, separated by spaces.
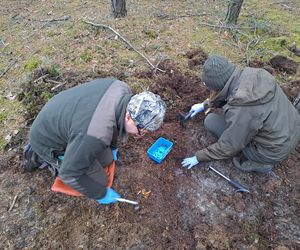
pixel 32 64
pixel 46 96
pixel 54 70
pixel 3 116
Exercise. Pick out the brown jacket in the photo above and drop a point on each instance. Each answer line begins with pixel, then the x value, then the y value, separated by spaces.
pixel 260 120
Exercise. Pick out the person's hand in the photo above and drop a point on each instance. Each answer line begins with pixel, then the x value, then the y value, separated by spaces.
pixel 196 108
pixel 115 154
pixel 190 162
pixel 110 197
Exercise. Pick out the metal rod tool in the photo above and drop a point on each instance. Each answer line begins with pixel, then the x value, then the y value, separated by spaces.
pixel 127 201
pixel 239 187
pixel 136 207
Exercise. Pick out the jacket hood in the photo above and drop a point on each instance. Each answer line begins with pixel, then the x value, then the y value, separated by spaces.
pixel 256 86
pixel 228 91
pixel 120 115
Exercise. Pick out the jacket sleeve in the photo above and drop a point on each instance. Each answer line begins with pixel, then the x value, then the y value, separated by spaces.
pixel 241 127
pixel 81 168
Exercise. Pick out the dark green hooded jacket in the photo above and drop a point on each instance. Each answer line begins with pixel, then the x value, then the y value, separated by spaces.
pixel 83 124
pixel 260 120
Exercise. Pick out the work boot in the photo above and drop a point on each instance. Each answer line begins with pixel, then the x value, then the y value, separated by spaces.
pixel 250 166
pixel 31 161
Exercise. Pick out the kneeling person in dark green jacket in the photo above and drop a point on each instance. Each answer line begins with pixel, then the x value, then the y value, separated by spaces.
pixel 81 126
pixel 260 126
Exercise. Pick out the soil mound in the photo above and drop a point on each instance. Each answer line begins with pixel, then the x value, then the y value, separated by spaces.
pixel 284 64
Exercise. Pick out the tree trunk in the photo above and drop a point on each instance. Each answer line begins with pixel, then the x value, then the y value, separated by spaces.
pixel 233 11
pixel 118 8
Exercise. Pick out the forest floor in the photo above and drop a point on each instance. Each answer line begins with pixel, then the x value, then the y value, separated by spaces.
pixel 46 48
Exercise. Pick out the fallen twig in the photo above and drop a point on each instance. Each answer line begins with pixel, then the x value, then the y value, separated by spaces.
pixel 252 44
pixel 13 203
pixel 64 18
pixel 8 68
pixel 55 82
pixel 156 66
pixel 41 78
pixel 127 42
pixel 1 40
pixel 58 86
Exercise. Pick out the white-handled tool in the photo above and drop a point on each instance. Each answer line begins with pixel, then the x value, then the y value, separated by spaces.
pixel 127 201
pixel 136 207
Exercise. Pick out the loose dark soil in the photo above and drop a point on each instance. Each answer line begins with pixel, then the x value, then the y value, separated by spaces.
pixel 181 209
pixel 284 64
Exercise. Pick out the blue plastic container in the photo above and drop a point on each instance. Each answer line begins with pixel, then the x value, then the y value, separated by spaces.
pixel 159 149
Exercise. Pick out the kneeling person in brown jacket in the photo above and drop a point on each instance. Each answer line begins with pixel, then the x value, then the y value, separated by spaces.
pixel 75 134
pixel 259 128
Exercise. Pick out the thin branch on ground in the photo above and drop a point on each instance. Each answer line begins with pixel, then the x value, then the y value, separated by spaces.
pixel 127 42
pixel 53 81
pixel 156 66
pixel 251 44
pixel 41 78
pixel 3 43
pixel 59 84
pixel 156 50
pixel 64 18
pixel 13 203
pixel 9 67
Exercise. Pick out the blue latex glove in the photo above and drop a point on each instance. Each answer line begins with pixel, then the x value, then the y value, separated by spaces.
pixel 110 197
pixel 115 154
pixel 196 108
pixel 190 162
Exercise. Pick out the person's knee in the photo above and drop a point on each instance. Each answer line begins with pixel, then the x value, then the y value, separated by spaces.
pixel 215 124
pixel 209 121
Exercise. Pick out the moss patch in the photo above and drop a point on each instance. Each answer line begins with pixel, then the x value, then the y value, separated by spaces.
pixel 32 64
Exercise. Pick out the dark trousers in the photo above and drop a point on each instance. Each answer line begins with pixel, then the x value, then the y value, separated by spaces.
pixel 215 124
